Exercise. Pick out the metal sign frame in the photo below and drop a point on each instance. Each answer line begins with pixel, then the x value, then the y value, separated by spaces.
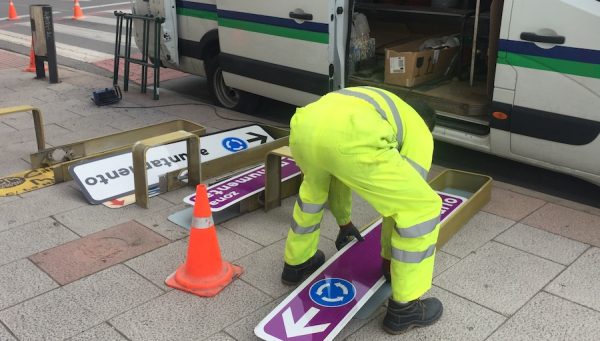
pixel 140 175
pixel 38 122
pixel 262 139
pixel 234 162
pixel 62 157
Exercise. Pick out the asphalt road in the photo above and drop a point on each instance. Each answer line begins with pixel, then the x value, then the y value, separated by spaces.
pixel 64 7
pixel 62 13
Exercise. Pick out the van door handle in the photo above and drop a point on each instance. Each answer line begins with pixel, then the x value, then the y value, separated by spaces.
pixel 301 16
pixel 530 36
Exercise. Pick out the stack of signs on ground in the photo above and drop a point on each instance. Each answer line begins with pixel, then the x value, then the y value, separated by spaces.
pixel 225 194
pixel 109 178
pixel 324 303
pixel 232 190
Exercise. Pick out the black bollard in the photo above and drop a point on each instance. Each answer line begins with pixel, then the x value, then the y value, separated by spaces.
pixel 44 47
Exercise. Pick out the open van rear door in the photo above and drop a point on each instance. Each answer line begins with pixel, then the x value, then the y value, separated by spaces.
pixel 554 48
pixel 280 49
pixel 169 50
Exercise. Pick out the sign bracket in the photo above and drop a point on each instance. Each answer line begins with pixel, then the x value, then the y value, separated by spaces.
pixel 234 162
pixel 273 176
pixel 62 157
pixel 38 121
pixel 140 148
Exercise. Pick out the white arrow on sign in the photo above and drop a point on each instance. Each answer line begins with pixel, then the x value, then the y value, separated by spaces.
pixel 299 328
pixel 329 299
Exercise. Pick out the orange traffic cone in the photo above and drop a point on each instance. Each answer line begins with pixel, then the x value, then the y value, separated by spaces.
pixel 31 67
pixel 204 273
pixel 77 11
pixel 12 11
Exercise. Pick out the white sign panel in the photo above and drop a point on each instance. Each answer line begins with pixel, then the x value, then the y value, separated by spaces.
pixel 232 141
pixel 112 177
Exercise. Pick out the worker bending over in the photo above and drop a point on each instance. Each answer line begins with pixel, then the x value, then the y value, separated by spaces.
pixel 368 140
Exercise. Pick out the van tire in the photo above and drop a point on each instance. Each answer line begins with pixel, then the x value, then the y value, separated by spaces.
pixel 225 96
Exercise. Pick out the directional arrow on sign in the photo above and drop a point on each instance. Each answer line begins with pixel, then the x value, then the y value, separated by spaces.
pixel 299 328
pixel 257 137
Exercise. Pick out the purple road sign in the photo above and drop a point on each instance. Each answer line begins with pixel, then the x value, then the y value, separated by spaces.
pixel 230 191
pixel 449 204
pixel 324 303
pixel 301 317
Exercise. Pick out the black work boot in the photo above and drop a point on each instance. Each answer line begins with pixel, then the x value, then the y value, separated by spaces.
pixel 418 313
pixel 294 274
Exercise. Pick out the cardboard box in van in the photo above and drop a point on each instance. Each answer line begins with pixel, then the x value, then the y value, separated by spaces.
pixel 405 65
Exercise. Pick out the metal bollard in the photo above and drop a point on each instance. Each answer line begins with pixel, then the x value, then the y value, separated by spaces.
pixel 44 48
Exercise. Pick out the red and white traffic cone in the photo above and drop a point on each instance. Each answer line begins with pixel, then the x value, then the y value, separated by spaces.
pixel 31 67
pixel 12 11
pixel 204 273
pixel 77 11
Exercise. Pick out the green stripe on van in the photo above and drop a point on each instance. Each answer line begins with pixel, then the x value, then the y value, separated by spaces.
pixel 550 64
pixel 196 13
pixel 316 37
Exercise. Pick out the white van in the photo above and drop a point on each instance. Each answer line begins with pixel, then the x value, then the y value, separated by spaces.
pixel 532 95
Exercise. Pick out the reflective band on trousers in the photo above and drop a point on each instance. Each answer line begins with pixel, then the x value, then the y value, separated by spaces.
pixel 411 256
pixel 418 230
pixel 202 223
pixel 310 208
pixel 304 230
pixel 417 167
pixel 378 108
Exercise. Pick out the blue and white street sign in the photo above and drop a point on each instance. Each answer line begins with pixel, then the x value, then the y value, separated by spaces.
pixel 332 292
pixel 111 177
pixel 234 144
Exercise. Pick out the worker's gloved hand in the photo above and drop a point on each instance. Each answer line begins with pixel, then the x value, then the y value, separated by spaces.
pixel 345 235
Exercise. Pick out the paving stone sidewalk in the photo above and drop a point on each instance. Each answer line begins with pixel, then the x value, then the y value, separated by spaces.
pixel 524 268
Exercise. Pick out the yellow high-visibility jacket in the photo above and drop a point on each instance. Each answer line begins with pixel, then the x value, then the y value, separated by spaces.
pixel 369 141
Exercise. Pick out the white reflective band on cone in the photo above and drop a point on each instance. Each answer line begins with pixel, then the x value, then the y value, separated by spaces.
pixel 202 223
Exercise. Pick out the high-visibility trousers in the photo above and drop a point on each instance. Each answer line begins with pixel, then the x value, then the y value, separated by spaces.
pixel 352 145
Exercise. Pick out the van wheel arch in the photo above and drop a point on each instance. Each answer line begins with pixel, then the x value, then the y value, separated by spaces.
pixel 220 93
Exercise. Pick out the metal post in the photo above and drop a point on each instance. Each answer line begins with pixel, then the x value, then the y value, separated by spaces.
pixel 138 153
pixel 38 121
pixel 119 33
pixel 145 34
pixel 50 45
pixel 42 31
pixel 157 23
pixel 128 28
